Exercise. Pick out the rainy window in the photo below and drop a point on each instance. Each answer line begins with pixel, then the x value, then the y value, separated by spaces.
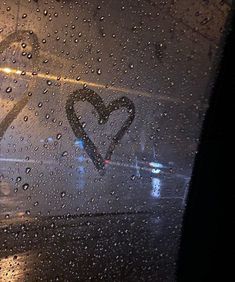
pixel 101 107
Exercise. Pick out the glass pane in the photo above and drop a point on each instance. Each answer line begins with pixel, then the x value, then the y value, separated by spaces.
pixel 101 109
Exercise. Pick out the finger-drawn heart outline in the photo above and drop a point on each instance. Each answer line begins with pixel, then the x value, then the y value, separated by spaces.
pixel 14 37
pixel 104 112
pixel 18 36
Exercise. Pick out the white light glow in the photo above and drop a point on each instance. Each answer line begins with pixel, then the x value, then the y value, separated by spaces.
pixel 155 165
pixel 7 70
pixel 156 188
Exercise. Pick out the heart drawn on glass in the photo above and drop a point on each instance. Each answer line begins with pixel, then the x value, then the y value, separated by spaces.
pixel 14 37
pixel 103 115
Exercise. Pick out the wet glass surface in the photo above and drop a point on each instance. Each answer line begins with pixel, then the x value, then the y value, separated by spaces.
pixel 102 104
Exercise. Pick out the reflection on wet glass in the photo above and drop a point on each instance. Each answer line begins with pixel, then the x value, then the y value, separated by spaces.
pixel 16 267
pixel 100 116
pixel 156 191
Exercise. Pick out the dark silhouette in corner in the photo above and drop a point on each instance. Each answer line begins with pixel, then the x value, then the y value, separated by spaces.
pixel 205 251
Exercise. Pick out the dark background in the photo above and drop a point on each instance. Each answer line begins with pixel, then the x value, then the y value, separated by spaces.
pixel 205 253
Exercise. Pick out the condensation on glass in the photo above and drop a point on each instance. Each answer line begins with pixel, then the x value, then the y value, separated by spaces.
pixel 101 108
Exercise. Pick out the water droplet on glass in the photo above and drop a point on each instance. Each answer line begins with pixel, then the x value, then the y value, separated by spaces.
pixel 28 169
pixel 25 186
pixel 9 89
pixel 58 136
pixel 65 153
pixel 18 179
pixel 133 177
